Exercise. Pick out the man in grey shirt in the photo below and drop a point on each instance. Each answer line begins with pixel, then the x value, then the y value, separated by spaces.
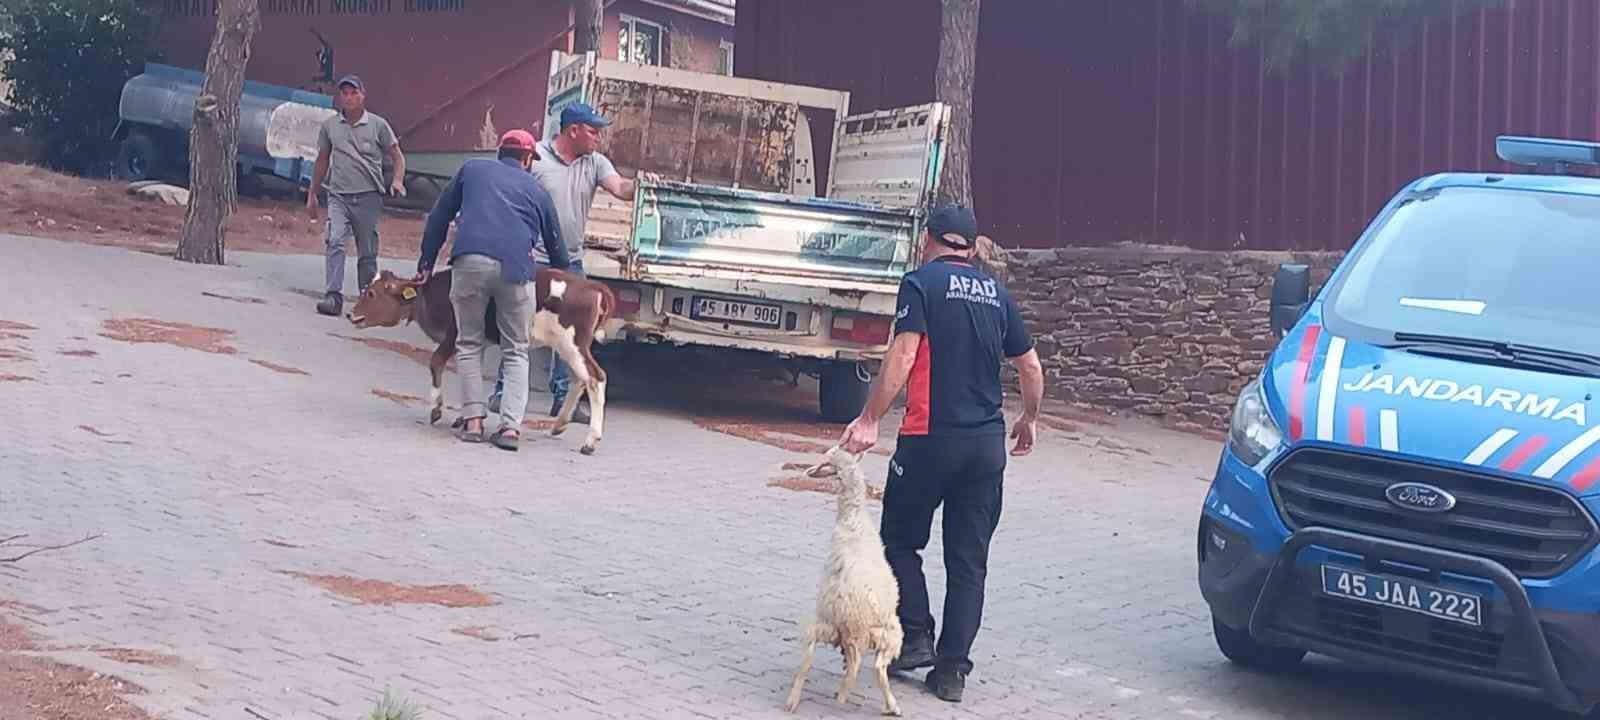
pixel 571 167
pixel 350 150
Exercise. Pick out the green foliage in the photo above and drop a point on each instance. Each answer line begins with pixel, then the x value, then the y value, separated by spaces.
pixel 69 61
pixel 392 708
pixel 1329 33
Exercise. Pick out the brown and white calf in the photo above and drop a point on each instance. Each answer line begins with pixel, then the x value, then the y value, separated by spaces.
pixel 570 314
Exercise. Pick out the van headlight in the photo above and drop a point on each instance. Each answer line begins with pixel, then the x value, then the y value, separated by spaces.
pixel 1253 434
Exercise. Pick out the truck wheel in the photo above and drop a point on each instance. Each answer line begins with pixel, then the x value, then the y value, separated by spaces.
pixel 1244 650
pixel 842 391
pixel 138 158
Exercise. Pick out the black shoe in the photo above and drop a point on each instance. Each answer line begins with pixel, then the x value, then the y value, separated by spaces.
pixel 946 684
pixel 915 652
pixel 331 304
pixel 578 415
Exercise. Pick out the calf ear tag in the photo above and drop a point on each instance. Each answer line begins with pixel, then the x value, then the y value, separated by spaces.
pixel 409 293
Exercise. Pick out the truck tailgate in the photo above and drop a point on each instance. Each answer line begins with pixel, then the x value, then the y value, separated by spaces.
pixel 693 229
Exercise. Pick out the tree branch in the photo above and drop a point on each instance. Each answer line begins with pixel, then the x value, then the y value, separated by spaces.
pixel 46 548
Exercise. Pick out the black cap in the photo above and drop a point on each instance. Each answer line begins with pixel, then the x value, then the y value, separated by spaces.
pixel 954 220
pixel 353 81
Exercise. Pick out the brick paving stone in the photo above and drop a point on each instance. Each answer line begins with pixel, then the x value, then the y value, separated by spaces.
pixel 660 578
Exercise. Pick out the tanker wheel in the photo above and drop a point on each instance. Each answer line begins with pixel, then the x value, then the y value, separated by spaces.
pixel 139 158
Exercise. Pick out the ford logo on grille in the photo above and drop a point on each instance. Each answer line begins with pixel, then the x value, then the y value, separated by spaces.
pixel 1420 497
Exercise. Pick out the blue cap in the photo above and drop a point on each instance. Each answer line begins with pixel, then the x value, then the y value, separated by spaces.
pixel 353 81
pixel 582 113
pixel 953 220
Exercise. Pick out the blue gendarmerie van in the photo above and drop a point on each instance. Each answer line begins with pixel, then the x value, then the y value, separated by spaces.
pixel 1412 483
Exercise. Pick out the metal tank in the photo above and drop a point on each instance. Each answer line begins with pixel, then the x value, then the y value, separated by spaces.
pixel 277 125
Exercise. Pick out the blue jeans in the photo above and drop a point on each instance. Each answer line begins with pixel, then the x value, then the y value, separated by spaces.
pixel 559 382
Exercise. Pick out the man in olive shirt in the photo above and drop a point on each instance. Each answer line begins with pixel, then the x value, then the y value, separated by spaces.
pixel 350 151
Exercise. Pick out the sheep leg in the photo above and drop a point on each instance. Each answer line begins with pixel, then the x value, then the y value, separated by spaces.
pixel 810 648
pixel 852 666
pixel 881 663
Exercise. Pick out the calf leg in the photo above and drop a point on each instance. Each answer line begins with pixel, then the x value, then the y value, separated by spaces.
pixel 596 387
pixel 569 353
pixel 441 356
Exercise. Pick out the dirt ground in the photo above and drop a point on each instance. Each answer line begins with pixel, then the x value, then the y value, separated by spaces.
pixel 38 202
pixel 33 687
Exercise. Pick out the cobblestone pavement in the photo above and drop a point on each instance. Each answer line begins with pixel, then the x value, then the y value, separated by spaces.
pixel 661 578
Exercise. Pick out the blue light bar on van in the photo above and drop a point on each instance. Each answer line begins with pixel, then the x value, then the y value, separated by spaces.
pixel 1546 151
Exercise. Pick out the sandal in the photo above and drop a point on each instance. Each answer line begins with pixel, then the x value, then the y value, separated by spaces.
pixel 465 435
pixel 506 439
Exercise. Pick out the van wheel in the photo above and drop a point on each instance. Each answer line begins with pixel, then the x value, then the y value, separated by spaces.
pixel 138 158
pixel 1244 650
pixel 842 391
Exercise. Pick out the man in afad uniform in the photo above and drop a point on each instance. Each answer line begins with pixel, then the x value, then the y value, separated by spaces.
pixel 953 324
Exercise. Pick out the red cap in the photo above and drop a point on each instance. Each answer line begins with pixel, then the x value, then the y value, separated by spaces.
pixel 517 140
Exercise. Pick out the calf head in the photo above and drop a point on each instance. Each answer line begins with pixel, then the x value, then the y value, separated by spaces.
pixel 386 301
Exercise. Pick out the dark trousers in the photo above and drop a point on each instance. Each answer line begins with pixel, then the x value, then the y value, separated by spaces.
pixel 966 475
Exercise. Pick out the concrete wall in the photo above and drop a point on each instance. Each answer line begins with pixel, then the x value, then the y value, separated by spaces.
pixel 1165 333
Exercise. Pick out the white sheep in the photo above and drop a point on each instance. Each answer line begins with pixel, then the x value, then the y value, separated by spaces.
pixel 857 596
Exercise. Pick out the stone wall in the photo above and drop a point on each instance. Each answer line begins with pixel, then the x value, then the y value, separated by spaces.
pixel 1165 333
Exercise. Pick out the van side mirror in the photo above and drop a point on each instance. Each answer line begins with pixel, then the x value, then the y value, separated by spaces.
pixel 1291 294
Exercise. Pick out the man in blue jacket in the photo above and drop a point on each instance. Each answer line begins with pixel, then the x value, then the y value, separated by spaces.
pixel 504 214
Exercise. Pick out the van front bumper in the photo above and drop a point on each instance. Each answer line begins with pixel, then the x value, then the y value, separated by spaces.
pixel 1521 650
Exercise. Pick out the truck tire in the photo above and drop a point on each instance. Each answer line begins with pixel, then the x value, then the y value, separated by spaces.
pixel 138 158
pixel 1239 647
pixel 842 391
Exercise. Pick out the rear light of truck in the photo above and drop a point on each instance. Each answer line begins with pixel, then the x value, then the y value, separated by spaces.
pixel 861 328
pixel 628 301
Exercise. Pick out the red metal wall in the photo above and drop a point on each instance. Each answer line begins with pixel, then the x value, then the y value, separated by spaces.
pixel 1108 120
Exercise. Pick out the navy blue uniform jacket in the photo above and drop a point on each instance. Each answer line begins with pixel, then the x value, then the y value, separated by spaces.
pixel 504 211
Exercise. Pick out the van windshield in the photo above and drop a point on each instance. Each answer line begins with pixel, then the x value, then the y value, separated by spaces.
pixel 1498 265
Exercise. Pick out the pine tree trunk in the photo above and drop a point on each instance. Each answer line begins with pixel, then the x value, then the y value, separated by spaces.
pixel 587 18
pixel 214 140
pixel 953 78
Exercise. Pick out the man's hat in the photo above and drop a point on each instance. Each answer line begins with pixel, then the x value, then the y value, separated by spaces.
pixel 582 113
pixel 954 225
pixel 517 140
pixel 353 81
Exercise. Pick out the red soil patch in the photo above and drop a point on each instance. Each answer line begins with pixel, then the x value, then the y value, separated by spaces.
pixel 398 398
pixel 79 353
pixel 8 354
pixel 90 429
pixel 12 336
pixel 10 325
pixel 774 433
pixel 818 485
pixel 477 631
pixel 378 592
pixel 33 688
pixel 147 330
pixel 236 298
pixel 8 377
pixel 135 656
pixel 410 351
pixel 14 637
pixel 42 203
pixel 285 369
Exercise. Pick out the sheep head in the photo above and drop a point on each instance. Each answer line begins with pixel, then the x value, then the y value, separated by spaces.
pixel 841 465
